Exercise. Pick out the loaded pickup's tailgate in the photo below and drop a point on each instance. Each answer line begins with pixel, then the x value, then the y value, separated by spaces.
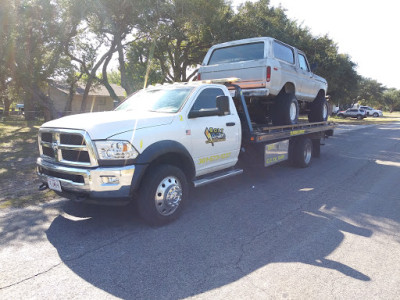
pixel 252 74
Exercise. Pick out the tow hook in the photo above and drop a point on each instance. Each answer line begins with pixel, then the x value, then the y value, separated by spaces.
pixel 43 187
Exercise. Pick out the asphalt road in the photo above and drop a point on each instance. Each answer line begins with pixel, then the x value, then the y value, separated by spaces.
pixel 329 231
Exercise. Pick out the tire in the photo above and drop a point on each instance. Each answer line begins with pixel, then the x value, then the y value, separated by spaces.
pixel 341 116
pixel 163 195
pixel 319 110
pixel 316 150
pixel 285 110
pixel 375 115
pixel 359 117
pixel 301 152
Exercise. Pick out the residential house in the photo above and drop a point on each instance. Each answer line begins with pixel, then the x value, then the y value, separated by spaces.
pixel 98 99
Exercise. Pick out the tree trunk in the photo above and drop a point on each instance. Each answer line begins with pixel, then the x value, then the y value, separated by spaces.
pixel 86 93
pixel 125 82
pixel 7 104
pixel 44 101
pixel 105 80
pixel 68 105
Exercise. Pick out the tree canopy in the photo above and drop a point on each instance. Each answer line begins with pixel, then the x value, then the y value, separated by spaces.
pixel 152 41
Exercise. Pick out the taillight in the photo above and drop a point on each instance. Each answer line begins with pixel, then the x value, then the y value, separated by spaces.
pixel 268 74
pixel 198 76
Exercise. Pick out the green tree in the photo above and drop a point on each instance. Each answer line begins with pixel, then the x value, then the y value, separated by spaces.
pixel 6 56
pixel 370 92
pixel 40 30
pixel 391 99
pixel 184 31
pixel 261 19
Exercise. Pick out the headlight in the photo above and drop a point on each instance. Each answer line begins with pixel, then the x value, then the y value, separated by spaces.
pixel 115 150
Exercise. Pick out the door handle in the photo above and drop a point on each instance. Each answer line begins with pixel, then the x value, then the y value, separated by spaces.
pixel 230 124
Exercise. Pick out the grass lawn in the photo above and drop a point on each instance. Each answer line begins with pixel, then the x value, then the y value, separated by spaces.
pixel 18 152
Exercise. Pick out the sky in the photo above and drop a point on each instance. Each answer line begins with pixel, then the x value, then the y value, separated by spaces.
pixel 368 31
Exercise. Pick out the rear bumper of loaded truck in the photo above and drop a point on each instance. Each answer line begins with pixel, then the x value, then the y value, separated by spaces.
pixel 257 92
pixel 103 185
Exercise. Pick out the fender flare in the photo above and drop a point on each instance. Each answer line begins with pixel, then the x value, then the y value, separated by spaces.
pixel 157 150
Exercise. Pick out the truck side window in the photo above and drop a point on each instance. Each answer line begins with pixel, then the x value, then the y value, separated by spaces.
pixel 207 99
pixel 303 63
pixel 283 52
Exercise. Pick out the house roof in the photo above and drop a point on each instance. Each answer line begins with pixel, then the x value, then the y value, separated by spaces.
pixel 98 90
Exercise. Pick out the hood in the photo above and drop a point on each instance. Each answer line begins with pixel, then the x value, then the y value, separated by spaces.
pixel 102 125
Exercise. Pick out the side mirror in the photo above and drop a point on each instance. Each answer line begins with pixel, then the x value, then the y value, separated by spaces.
pixel 223 105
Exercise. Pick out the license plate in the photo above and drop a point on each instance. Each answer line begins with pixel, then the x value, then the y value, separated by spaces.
pixel 54 184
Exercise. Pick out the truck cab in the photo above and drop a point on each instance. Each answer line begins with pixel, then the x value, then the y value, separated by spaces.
pixel 105 156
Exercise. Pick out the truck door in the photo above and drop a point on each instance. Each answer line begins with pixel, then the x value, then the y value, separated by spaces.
pixel 307 86
pixel 215 139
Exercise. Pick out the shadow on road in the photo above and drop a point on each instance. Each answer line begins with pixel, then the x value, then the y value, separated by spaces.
pixel 222 237
pixel 246 224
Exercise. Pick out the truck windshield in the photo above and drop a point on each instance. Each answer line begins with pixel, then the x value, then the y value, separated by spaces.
pixel 156 100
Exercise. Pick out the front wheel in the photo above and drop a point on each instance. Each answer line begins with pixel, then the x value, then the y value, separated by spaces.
pixel 375 115
pixel 164 190
pixel 319 110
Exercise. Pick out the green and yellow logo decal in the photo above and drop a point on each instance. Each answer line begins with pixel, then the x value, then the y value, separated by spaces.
pixel 214 135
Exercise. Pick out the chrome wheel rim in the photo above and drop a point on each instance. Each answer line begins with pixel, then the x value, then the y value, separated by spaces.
pixel 168 195
pixel 293 111
pixel 325 112
pixel 307 153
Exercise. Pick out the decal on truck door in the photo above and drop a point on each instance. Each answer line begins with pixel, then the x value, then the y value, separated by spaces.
pixel 214 135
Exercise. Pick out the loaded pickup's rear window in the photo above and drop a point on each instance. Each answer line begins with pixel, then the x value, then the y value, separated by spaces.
pixel 237 53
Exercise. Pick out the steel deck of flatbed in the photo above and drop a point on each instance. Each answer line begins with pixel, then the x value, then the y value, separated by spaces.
pixel 264 134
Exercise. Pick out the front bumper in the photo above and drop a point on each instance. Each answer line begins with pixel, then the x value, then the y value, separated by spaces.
pixel 91 183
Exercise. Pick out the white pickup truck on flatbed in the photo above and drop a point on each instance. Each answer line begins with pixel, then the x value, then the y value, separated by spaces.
pixel 276 79
pixel 159 141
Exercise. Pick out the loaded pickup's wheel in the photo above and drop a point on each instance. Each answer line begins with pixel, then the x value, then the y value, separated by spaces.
pixel 163 194
pixel 359 117
pixel 301 151
pixel 319 109
pixel 285 110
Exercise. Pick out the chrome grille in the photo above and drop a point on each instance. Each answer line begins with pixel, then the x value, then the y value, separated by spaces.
pixel 69 147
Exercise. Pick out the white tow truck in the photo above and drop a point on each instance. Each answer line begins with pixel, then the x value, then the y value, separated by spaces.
pixel 162 139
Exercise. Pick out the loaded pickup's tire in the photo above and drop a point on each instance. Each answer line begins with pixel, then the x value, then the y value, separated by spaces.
pixel 300 151
pixel 163 194
pixel 319 109
pixel 285 110
pixel 359 117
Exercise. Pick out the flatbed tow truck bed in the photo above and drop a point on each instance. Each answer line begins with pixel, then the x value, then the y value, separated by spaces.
pixel 254 133
pixel 266 134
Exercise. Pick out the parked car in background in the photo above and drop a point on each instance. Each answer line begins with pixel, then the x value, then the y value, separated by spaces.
pixel 352 113
pixel 371 111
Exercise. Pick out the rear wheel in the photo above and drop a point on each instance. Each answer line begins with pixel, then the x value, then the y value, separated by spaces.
pixel 319 109
pixel 164 190
pixel 301 152
pixel 359 117
pixel 286 110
